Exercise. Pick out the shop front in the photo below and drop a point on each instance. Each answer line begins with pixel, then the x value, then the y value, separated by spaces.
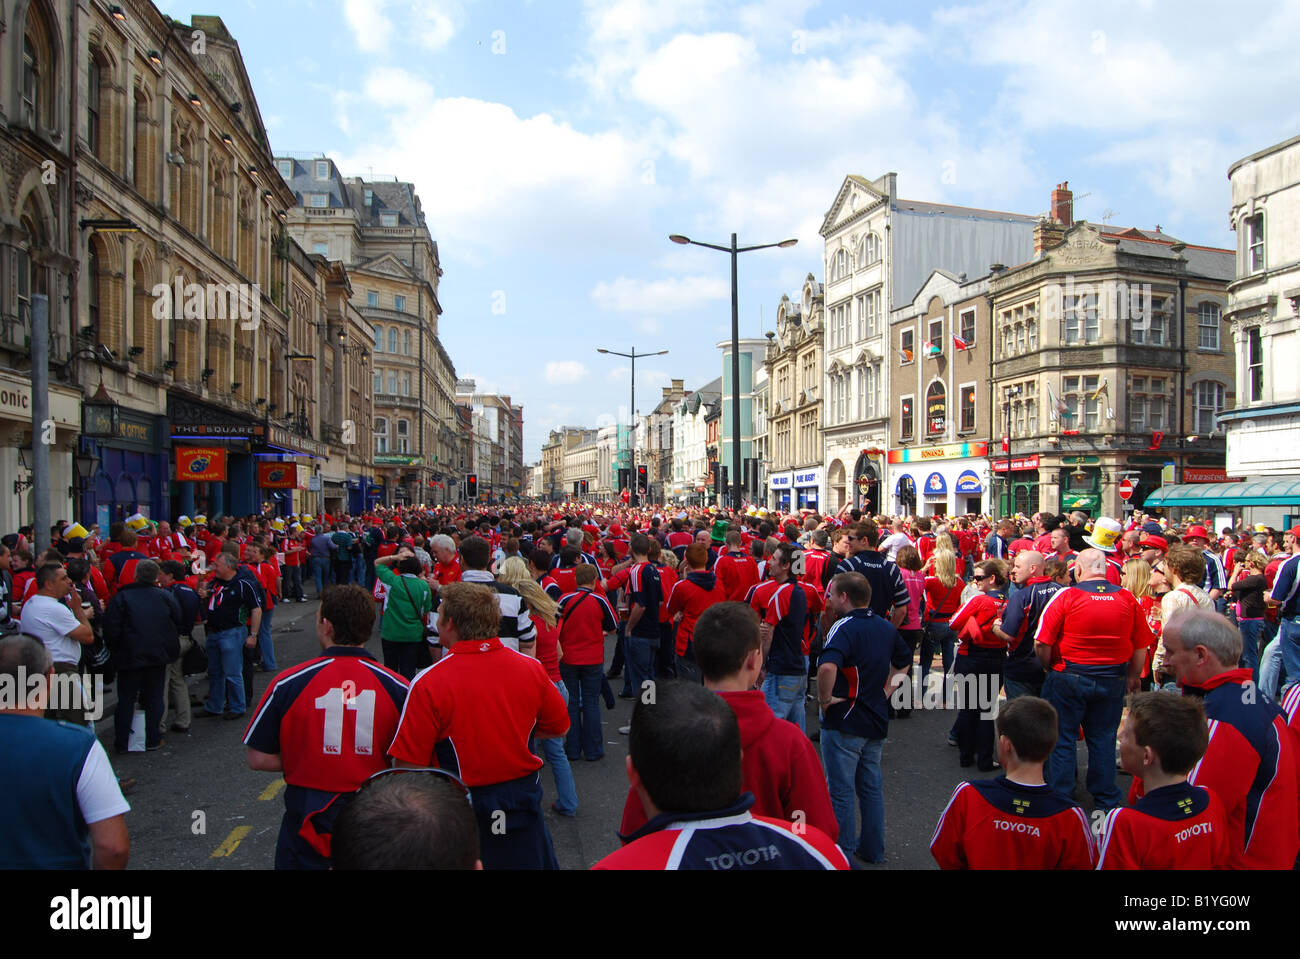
pixel 938 480
pixel 298 456
pixel 782 488
pixel 807 484
pixel 198 424
pixel 1020 493
pixel 133 451
pixel 16 500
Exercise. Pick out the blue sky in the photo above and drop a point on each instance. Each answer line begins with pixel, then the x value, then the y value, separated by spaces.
pixel 556 143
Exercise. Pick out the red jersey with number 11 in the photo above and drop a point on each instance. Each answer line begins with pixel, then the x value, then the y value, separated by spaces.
pixel 331 719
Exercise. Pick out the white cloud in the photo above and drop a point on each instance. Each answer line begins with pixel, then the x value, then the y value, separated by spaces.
pixel 372 29
pixel 435 27
pixel 493 181
pixel 563 372
pixel 630 295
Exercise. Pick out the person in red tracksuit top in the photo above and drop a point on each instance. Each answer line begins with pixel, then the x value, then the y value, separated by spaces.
pixel 981 654
pixel 778 763
pixel 693 793
pixel 736 569
pixel 586 620
pixel 1250 762
pixel 690 597
pixel 1175 825
pixel 1015 821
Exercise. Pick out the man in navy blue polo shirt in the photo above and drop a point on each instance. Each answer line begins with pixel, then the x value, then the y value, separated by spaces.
pixel 1286 596
pixel 862 657
pixel 232 614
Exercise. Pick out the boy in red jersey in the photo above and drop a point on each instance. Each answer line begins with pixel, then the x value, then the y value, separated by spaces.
pixel 1015 821
pixel 1175 825
pixel 327 725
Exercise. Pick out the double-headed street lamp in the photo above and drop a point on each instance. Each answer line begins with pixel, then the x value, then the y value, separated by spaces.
pixel 735 347
pixel 636 499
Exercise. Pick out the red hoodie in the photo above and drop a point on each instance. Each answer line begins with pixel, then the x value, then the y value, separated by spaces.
pixel 778 765
pixel 691 597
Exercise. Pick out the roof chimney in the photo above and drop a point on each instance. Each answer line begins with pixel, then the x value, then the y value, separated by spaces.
pixel 1063 205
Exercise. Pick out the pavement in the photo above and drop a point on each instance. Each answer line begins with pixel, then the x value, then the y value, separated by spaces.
pixel 197 805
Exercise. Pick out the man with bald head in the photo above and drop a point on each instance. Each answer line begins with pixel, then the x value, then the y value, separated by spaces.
pixel 1023 675
pixel 1250 762
pixel 1092 639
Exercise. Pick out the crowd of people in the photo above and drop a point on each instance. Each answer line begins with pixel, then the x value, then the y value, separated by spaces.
pixel 1170 652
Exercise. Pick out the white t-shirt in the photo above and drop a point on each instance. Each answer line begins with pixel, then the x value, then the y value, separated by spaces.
pixel 50 621
pixel 892 544
pixel 98 794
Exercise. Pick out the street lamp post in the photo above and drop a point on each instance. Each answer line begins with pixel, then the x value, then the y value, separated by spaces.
pixel 635 497
pixel 735 346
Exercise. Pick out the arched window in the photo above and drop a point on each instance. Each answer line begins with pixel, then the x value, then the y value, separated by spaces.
pixel 94 108
pixel 142 156
pixel 392 339
pixel 392 382
pixel 406 342
pixel 31 273
pixel 142 322
pixel 1031 335
pixel 40 67
pixel 379 339
pixel 936 408
pixel 381 433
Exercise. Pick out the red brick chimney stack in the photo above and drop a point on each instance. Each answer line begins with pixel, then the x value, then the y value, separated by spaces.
pixel 1063 205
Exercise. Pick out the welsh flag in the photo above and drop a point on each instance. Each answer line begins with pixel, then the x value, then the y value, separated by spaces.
pixel 958 342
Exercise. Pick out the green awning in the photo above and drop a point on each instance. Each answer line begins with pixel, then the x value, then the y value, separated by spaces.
pixel 1280 491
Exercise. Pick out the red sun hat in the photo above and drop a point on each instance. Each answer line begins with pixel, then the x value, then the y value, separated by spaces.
pixel 1197 532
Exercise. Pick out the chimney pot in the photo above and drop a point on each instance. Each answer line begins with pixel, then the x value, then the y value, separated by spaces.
pixel 1063 205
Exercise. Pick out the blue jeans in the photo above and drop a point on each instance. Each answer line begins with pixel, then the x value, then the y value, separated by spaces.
pixel 585 736
pixel 1270 669
pixel 1251 630
pixel 1095 703
pixel 321 571
pixel 359 570
pixel 853 769
pixel 226 670
pixel 566 793
pixel 640 664
pixel 1017 687
pixel 939 635
pixel 1288 637
pixel 786 696
pixel 264 642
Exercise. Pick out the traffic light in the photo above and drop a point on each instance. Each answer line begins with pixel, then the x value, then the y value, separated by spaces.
pixel 642 479
pixel 583 483
pixel 471 486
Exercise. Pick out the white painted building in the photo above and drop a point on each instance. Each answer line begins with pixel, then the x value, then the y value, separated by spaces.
pixel 690 441
pixel 879 251
pixel 1263 430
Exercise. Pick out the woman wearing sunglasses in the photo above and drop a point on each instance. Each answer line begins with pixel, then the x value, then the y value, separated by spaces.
pixel 981 654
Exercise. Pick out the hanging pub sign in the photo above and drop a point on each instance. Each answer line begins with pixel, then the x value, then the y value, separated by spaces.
pixel 277 475
pixel 200 464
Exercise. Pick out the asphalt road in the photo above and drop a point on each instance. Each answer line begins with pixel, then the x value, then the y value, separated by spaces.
pixel 197 805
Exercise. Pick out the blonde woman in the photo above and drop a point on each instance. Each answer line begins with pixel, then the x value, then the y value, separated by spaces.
pixel 1136 578
pixel 544 613
pixel 944 542
pixel 943 591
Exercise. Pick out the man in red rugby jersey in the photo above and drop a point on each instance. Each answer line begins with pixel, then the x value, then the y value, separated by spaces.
pixel 474 713
pixel 327 725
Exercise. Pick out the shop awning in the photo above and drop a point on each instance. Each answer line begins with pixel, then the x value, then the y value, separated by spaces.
pixel 969 482
pixel 1280 491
